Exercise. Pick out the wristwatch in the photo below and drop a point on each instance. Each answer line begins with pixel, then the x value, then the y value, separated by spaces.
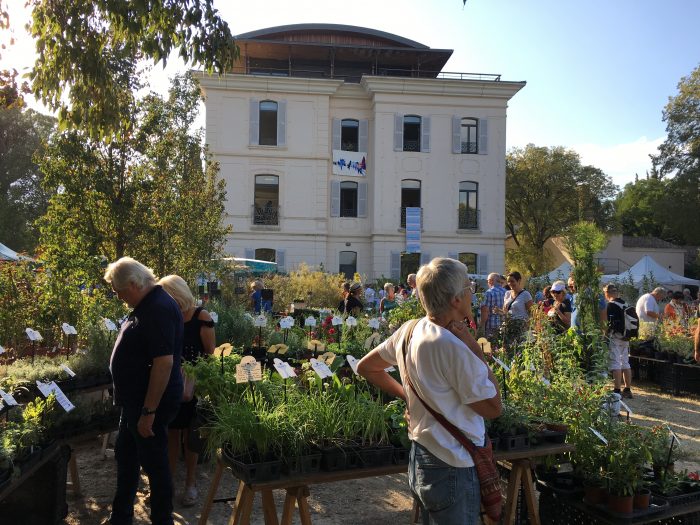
pixel 146 412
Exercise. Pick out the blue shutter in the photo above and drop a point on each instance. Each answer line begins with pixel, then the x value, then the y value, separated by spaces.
pixel 282 123
pixel 335 198
pixel 363 139
pixel 425 258
pixel 482 264
pixel 249 253
pixel 456 134
pixel 362 199
pixel 336 133
pixel 398 132
pixel 453 255
pixel 483 136
pixel 254 138
pixel 425 134
pixel 395 266
pixel 280 260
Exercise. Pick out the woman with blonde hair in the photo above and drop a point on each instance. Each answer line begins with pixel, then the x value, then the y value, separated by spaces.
pixel 198 340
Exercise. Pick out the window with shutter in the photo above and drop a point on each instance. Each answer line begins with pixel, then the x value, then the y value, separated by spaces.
pixel 483 136
pixel 425 135
pixel 398 132
pixel 282 124
pixel 335 198
pixel 254 122
pixel 362 199
pixel 281 260
pixel 395 266
pixel 412 137
pixel 363 139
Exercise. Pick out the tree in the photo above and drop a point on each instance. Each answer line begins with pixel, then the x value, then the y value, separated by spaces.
pixel 547 191
pixel 88 52
pixel 153 195
pixel 22 134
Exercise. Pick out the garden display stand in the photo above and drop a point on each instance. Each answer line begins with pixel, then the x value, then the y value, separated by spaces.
pixel 519 462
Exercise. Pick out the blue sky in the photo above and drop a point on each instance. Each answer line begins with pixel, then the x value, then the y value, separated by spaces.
pixel 598 73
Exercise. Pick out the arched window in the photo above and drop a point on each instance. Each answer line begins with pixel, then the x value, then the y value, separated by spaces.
pixel 469 135
pixel 348 199
pixel 266 200
pixel 411 132
pixel 410 197
pixel 468 205
pixel 347 264
pixel 268 123
pixel 350 135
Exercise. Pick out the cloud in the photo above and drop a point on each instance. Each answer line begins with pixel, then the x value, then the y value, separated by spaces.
pixel 620 161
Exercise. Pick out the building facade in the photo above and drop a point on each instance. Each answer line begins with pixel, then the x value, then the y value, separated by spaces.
pixel 350 149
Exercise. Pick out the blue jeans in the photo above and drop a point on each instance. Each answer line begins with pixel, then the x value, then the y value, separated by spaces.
pixel 446 495
pixel 132 452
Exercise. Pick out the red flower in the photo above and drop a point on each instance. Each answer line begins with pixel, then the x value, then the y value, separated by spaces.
pixel 693 476
pixel 313 335
pixel 331 331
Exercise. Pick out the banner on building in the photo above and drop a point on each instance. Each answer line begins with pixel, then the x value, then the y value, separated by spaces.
pixel 350 163
pixel 413 228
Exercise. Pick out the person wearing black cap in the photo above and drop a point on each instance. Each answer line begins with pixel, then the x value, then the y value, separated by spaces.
pixel 352 305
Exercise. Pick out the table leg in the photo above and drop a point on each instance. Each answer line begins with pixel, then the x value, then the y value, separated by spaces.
pixel 269 510
pixel 415 512
pixel 304 510
pixel 243 507
pixel 512 492
pixel 289 503
pixel 530 497
pixel 213 487
pixel 74 476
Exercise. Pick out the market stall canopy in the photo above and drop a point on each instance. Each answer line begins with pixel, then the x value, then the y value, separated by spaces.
pixel 649 268
pixel 560 273
pixel 8 254
pixel 254 265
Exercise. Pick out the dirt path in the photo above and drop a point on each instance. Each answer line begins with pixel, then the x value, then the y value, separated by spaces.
pixel 369 501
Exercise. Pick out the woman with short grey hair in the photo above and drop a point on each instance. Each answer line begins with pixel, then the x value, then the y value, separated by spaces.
pixel 447 369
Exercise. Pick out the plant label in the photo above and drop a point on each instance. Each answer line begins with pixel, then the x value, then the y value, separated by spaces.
pixel 68 329
pixel 546 381
pixel 67 370
pixel 214 317
pixel 532 367
pixel 373 323
pixel 624 405
pixel 260 321
pixel 598 435
pixel 351 321
pixel 2 350
pixel 390 369
pixel 501 364
pixel 315 345
pixel 672 433
pixel 33 335
pixel 286 322
pixel 327 357
pixel 248 370
pixel 373 340
pixel 109 325
pixel 484 344
pixel 52 388
pixel 310 321
pixel 324 312
pixel 282 349
pixel 7 398
pixel 320 368
pixel 337 320
pixel 352 361
pixel 223 350
pixel 283 369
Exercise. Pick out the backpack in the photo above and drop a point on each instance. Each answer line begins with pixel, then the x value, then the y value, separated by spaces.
pixel 623 320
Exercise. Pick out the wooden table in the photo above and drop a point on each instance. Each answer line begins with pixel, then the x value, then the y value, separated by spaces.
pixel 297 488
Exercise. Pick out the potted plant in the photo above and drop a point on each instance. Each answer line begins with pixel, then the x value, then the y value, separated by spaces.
pixel 627 451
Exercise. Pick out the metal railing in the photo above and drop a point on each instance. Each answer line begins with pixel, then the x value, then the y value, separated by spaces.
pixel 469 147
pixel 403 216
pixel 265 215
pixel 411 145
pixel 468 219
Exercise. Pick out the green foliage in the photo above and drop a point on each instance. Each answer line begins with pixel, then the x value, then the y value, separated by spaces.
pixel 409 309
pixel 235 325
pixel 18 301
pixel 547 191
pixel 325 288
pixel 88 53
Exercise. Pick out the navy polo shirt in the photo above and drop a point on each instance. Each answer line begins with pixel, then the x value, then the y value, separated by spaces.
pixel 153 329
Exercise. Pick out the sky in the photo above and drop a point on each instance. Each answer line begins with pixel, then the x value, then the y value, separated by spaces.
pixel 598 73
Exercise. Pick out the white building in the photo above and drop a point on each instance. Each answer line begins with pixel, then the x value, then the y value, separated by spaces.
pixel 326 134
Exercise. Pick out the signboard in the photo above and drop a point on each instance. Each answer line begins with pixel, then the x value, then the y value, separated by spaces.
pixel 350 163
pixel 413 227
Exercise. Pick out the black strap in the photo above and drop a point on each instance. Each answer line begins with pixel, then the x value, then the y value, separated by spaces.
pixel 514 299
pixel 452 429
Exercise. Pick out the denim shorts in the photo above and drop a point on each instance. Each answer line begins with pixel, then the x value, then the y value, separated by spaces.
pixel 447 495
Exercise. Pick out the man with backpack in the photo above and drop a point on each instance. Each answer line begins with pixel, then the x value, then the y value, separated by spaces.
pixel 623 324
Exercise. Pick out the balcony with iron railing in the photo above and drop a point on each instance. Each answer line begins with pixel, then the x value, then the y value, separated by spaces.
pixel 403 216
pixel 468 219
pixel 265 215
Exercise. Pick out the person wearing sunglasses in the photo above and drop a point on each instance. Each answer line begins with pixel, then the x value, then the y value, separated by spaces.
pixel 560 312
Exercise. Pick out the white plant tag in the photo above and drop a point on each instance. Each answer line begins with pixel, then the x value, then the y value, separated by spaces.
pixel 260 321
pixel 214 317
pixel 2 350
pixel 310 321
pixel 532 367
pixel 109 325
pixel 248 370
pixel 373 323
pixel 67 370
pixel 502 364
pixel 52 388
pixel 624 405
pixel 352 361
pixel 68 329
pixel 286 322
pixel 673 434
pixel 598 435
pixel 7 398
pixel 320 368
pixel 389 369
pixel 337 320
pixel 545 381
pixel 33 335
pixel 283 369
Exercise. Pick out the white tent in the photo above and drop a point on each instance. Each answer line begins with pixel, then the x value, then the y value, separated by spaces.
pixel 649 268
pixel 7 254
pixel 560 273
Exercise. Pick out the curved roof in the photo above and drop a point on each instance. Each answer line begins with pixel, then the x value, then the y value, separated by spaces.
pixel 289 32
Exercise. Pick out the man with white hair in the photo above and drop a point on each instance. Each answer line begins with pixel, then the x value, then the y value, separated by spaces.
pixel 490 320
pixel 411 280
pixel 648 305
pixel 145 366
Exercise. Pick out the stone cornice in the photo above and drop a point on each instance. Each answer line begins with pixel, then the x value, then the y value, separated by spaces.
pixel 439 86
pixel 237 82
